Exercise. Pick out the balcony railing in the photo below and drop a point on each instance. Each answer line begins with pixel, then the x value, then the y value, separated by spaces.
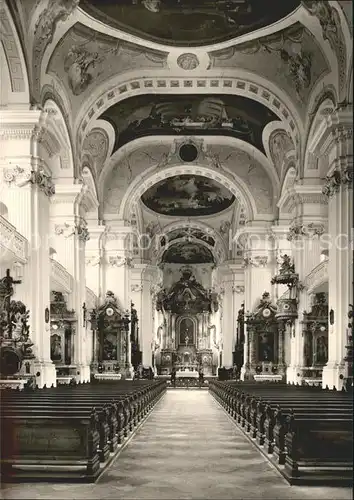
pixel 61 277
pixel 13 246
pixel 317 276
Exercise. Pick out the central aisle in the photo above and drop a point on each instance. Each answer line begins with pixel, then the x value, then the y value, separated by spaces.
pixel 188 448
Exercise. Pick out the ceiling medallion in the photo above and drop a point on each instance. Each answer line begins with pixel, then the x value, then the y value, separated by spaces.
pixel 188 152
pixel 188 61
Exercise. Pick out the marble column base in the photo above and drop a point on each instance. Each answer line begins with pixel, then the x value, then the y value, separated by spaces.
pixel 333 375
pixel 82 374
pixel 45 374
pixel 294 374
pixel 246 373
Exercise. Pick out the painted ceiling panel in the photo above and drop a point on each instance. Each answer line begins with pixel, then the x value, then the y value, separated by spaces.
pixel 233 116
pixel 189 22
pixel 187 196
pixel 187 253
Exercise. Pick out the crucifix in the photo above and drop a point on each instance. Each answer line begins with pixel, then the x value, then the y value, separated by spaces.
pixel 8 283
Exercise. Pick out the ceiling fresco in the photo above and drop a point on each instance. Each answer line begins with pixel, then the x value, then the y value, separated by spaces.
pixel 187 196
pixel 189 22
pixel 187 253
pixel 233 116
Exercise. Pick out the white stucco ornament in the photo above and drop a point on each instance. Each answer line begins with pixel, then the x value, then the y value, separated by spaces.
pixel 188 61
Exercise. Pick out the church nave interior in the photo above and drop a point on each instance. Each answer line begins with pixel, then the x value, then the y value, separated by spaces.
pixel 176 247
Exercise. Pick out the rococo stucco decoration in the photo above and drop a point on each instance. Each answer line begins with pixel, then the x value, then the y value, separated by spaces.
pixel 290 57
pixel 331 31
pixel 84 56
pixel 46 25
pixel 279 145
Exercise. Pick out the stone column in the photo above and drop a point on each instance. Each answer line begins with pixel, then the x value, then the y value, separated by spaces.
pixel 26 190
pixel 305 238
pixel 69 240
pixel 258 252
pixel 147 334
pixel 118 263
pixel 93 260
pixel 339 190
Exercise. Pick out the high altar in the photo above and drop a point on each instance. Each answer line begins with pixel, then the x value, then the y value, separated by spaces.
pixel 186 338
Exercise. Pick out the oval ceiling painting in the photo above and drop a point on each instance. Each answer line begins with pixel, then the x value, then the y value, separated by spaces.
pixel 187 253
pixel 188 196
pixel 189 22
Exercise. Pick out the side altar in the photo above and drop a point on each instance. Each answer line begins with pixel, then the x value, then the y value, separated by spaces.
pixel 186 339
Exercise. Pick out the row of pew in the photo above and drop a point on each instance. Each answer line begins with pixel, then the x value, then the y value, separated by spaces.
pixel 306 432
pixel 70 433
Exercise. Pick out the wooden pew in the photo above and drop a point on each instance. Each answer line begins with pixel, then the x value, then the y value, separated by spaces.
pixel 282 420
pixel 65 433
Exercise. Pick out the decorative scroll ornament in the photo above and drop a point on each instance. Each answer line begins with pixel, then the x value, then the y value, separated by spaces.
pixel 331 30
pixel 258 261
pixel 336 179
pixel 17 175
pixel 82 232
pixel 311 230
pixel 332 184
pixel 137 287
pixel 93 261
pixel 44 182
pixel 21 176
pixel 119 261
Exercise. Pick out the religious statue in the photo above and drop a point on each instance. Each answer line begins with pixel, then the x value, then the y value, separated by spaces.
pixel 286 267
pixel 186 340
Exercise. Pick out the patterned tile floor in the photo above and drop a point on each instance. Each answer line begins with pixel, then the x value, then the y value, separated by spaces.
pixel 188 448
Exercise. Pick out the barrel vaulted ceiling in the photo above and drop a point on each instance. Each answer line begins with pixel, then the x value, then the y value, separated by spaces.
pixel 239 79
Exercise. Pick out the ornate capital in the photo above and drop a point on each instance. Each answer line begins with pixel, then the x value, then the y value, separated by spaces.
pixel 336 179
pixel 238 289
pixel 17 175
pixel 342 134
pixel 138 287
pixel 332 184
pixel 44 182
pixel 311 230
pixel 82 231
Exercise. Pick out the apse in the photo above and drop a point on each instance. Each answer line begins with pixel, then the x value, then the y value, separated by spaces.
pixel 189 114
pixel 189 22
pixel 187 253
pixel 188 196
